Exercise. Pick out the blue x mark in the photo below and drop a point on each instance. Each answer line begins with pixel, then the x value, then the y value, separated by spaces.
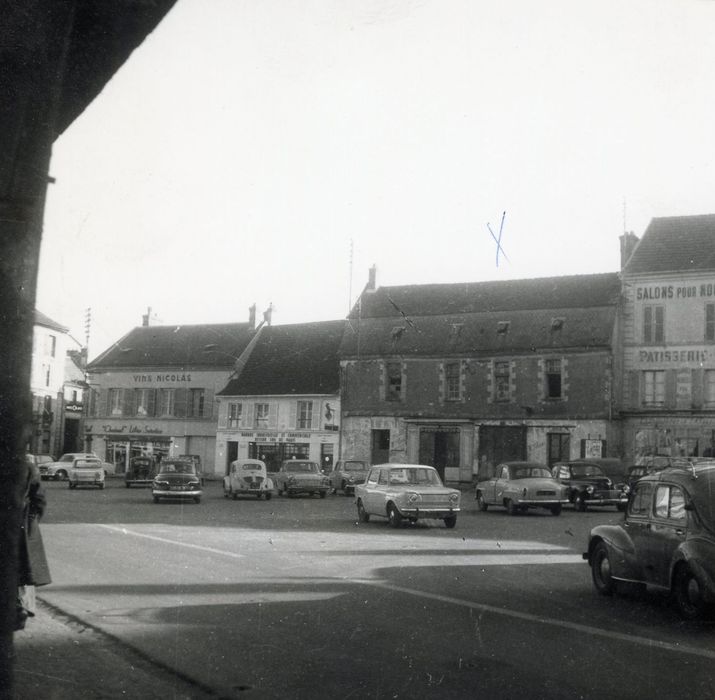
pixel 498 240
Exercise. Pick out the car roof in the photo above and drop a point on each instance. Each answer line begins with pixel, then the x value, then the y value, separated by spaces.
pixel 389 465
pixel 522 463
pixel 698 480
pixel 253 461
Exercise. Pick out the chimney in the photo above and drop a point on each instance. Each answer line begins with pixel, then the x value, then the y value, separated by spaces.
pixel 372 279
pixel 252 317
pixel 629 241
pixel 146 317
pixel 267 314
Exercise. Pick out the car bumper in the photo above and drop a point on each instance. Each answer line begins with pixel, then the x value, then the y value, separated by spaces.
pixel 169 493
pixel 306 489
pixel 542 502
pixel 433 512
pixel 605 500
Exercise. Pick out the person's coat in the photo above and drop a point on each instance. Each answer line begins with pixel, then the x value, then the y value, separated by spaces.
pixel 34 570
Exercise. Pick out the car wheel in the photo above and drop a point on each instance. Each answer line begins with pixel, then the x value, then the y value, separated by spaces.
pixel 688 594
pixel 511 507
pixel 393 516
pixel 322 494
pixel 621 507
pixel 450 521
pixel 156 499
pixel 197 499
pixel 556 510
pixel 581 504
pixel 483 505
pixel 127 484
pixel 363 515
pixel 70 484
pixel 268 495
pixel 601 570
pixel 61 475
pixel 101 486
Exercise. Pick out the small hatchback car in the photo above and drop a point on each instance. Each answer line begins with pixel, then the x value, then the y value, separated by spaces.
pixel 247 477
pixel 667 540
pixel 176 479
pixel 409 492
pixel 347 474
pixel 86 472
pixel 301 476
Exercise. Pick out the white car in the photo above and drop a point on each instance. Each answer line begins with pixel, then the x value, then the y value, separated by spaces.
pixel 86 472
pixel 409 492
pixel 59 470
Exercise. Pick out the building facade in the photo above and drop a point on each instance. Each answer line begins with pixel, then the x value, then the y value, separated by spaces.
pixel 463 376
pixel 285 402
pixel 668 339
pixel 154 391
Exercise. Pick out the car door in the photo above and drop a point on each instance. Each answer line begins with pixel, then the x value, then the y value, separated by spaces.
pixel 501 483
pixel 370 493
pixel 637 525
pixel 668 529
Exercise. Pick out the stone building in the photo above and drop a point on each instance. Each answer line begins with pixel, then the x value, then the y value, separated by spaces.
pixel 668 339
pixel 462 376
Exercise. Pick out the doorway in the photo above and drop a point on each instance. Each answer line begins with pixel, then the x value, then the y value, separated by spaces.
pixel 439 448
pixel 500 443
pixel 231 453
pixel 380 452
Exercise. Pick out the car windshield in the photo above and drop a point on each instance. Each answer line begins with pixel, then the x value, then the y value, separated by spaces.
pixel 414 476
pixel 86 464
pixel 354 466
pixel 251 467
pixel 66 458
pixel 177 468
pixel 301 467
pixel 529 472
pixel 581 470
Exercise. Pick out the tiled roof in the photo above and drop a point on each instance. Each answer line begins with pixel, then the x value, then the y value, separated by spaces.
pixel 206 345
pixel 675 244
pixel 488 317
pixel 292 359
pixel 43 320
pixel 572 291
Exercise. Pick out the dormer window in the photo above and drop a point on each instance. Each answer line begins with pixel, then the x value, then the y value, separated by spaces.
pixel 557 323
pixel 503 327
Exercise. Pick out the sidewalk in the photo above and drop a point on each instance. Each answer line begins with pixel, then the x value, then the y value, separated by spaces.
pixel 57 658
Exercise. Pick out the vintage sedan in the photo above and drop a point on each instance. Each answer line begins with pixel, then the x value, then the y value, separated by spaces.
pixel 85 472
pixel 589 486
pixel 176 479
pixel 518 486
pixel 346 475
pixel 247 477
pixel 406 492
pixel 140 472
pixel 59 470
pixel 666 540
pixel 301 476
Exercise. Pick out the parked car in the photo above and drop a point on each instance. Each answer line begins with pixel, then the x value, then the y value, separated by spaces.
pixel 140 471
pixel 59 470
pixel 519 486
pixel 667 540
pixel 247 477
pixel 409 492
pixel 301 476
pixel 40 460
pixel 85 472
pixel 589 486
pixel 346 475
pixel 176 479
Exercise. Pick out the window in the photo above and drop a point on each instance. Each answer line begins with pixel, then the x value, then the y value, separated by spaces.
pixel 709 321
pixel 553 379
pixel 144 402
pixel 452 383
pixel 669 503
pixel 50 345
pixel 559 447
pixel 654 388
pixel 305 415
pixel 260 415
pixel 46 373
pixel 166 402
pixel 394 381
pixel 74 394
pixel 234 414
pixel 195 408
pixel 501 381
pixel 640 503
pixel 709 386
pixel 114 402
pixel 653 324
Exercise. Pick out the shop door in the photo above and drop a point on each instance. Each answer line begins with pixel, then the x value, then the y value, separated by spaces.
pixel 380 447
pixel 231 453
pixel 71 442
pixel 439 449
pixel 500 443
pixel 326 458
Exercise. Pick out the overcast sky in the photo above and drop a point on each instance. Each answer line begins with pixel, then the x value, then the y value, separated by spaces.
pixel 246 148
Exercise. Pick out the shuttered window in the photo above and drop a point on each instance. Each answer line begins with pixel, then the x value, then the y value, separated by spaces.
pixel 709 321
pixel 305 415
pixel 653 320
pixel 654 388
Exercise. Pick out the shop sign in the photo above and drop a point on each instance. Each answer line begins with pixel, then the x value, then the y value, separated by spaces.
pixel 677 356
pixel 162 378
pixel 126 430
pixel 660 292
pixel 74 407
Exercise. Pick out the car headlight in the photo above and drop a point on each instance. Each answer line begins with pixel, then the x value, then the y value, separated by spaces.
pixel 453 497
pixel 351 479
pixel 160 484
pixel 413 497
pixel 194 483
pixel 589 490
pixel 290 480
pixel 626 489
pixel 97 475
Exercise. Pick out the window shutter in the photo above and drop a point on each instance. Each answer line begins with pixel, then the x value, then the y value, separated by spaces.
pixel 441 378
pixel 104 402
pixel 272 414
pixel 382 380
pixel 633 383
pixel 247 415
pixel 209 404
pixel 180 398
pixel 670 388
pixel 223 407
pixel 697 378
pixel 151 403
pixel 316 416
pixel 128 408
pixel 293 415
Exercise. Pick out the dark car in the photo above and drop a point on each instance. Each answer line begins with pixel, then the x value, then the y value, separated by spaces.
pixel 667 540
pixel 176 479
pixel 300 476
pixel 140 472
pixel 347 474
pixel 589 486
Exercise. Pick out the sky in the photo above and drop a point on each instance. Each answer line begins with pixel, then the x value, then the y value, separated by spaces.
pixel 271 152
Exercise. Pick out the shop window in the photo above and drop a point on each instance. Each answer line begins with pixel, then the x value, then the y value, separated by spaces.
pixel 552 375
pixel 394 381
pixel 195 409
pixel 260 415
pixel 709 321
pixel 305 415
pixel 653 323
pixel 235 410
pixel 166 402
pixel 114 402
pixel 502 381
pixel 654 388
pixel 452 380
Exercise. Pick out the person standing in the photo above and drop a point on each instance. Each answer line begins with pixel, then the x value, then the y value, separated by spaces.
pixel 33 567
